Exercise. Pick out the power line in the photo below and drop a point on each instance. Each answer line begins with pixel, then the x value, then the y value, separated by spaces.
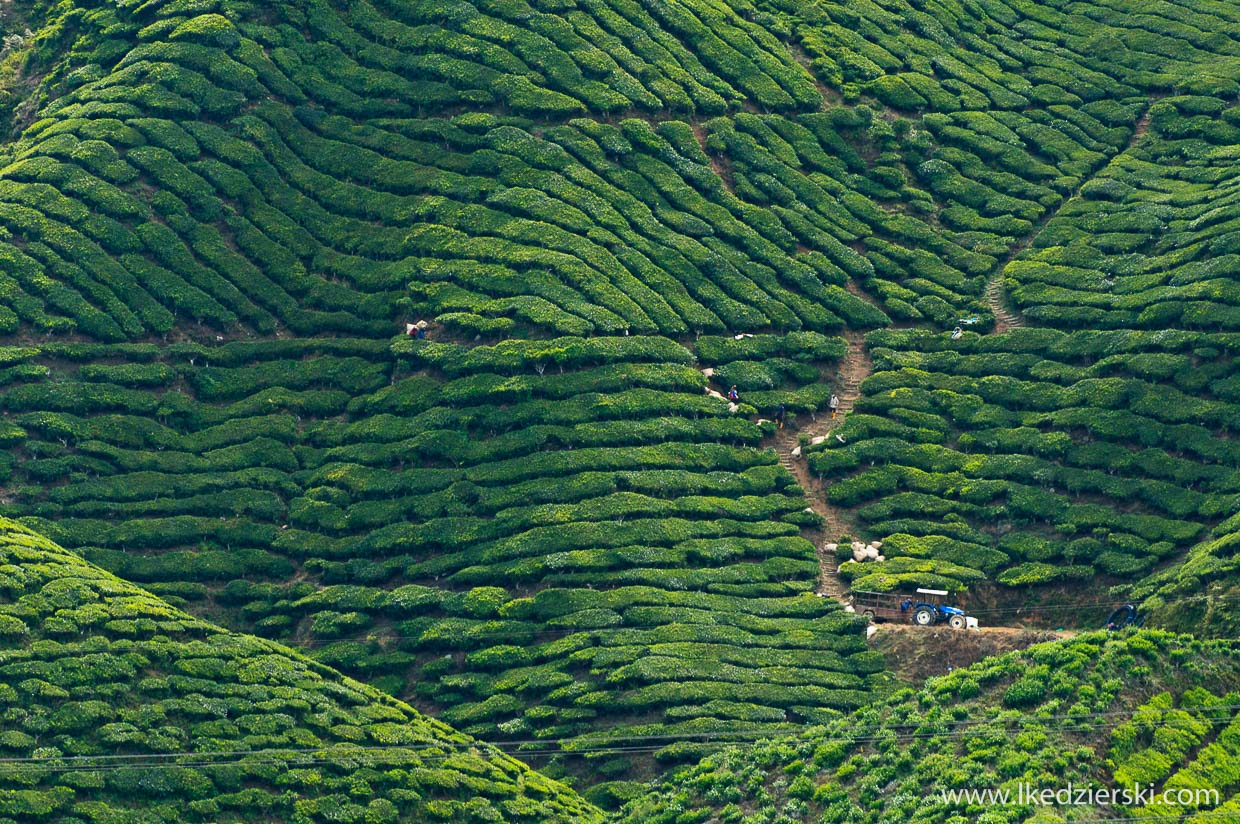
pixel 508 633
pixel 557 632
pixel 875 733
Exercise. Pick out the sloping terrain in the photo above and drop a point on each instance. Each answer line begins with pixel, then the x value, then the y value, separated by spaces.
pixel 1200 591
pixel 498 533
pixel 432 543
pixel 116 706
pixel 544 522
pixel 1098 711
pixel 1090 453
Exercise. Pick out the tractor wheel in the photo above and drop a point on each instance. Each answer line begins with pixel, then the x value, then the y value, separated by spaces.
pixel 956 622
pixel 869 615
pixel 924 616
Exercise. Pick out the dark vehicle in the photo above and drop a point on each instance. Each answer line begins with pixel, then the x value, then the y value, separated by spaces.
pixel 882 606
pixel 1125 616
pixel 923 609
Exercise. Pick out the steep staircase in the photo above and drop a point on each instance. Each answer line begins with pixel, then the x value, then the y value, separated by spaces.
pixel 1005 318
pixel 855 368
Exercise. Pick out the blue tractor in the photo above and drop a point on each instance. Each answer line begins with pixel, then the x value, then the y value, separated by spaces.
pixel 923 609
pixel 928 610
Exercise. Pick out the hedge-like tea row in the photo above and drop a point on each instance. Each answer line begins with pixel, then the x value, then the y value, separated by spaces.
pixel 210 725
pixel 1196 591
pixel 1188 747
pixel 1151 244
pixel 1039 459
pixel 552 538
pixel 1058 709
pixel 1038 456
pixel 276 170
pixel 924 224
pixel 536 539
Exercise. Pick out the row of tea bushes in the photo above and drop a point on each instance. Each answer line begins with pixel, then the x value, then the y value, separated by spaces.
pixel 1037 456
pixel 1061 709
pixel 538 539
pixel 116 706
pixel 264 170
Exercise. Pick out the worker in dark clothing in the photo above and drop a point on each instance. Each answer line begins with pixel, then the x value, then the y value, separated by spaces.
pixel 780 413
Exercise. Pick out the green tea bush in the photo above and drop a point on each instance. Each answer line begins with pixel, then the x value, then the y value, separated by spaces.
pixel 198 689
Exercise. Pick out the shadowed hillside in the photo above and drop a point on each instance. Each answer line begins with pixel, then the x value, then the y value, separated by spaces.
pixel 118 706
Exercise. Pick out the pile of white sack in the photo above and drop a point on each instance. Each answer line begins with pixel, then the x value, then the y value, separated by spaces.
pixel 861 551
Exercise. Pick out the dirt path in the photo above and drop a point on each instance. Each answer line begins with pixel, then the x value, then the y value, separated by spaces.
pixel 1005 318
pixel 854 368
pixel 995 630
pixel 1008 318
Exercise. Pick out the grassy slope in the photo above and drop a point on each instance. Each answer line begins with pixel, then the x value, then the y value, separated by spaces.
pixel 1199 592
pixel 96 674
pixel 1087 455
pixel 1096 711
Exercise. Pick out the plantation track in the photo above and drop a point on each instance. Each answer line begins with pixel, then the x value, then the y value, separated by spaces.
pixel 544 524
pixel 854 368
pixel 1007 317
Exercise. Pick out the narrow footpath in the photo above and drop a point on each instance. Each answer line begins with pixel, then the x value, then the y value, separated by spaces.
pixel 855 367
pixel 1009 318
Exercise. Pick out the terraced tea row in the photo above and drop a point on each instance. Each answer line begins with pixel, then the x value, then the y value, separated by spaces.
pixel 547 540
pixel 533 540
pixel 1009 55
pixel 1151 243
pixel 241 182
pixel 501 235
pixel 545 59
pixel 116 706
pixel 1100 712
pixel 283 210
pixel 1199 590
pixel 1035 457
pixel 1063 455
pixel 1187 749
pixel 920 213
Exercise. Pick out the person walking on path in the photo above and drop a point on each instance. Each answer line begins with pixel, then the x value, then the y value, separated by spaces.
pixel 780 413
pixel 834 403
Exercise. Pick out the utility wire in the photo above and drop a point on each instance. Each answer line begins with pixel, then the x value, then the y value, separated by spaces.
pixel 542 747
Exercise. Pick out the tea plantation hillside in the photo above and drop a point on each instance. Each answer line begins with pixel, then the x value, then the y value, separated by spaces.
pixel 543 522
pixel 1099 711
pixel 1200 591
pixel 115 706
pixel 420 533
pixel 496 532
pixel 1099 445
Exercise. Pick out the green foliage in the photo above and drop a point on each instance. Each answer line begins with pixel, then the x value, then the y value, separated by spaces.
pixel 1062 709
pixel 537 519
pixel 175 684
pixel 296 489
